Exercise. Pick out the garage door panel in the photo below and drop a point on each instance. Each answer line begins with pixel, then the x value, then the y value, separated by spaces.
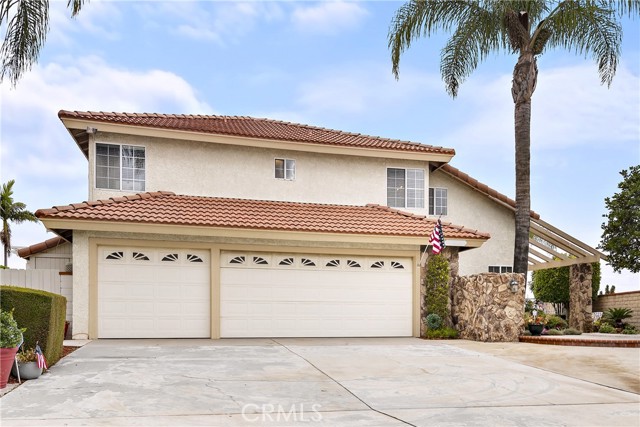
pixel 153 298
pixel 321 301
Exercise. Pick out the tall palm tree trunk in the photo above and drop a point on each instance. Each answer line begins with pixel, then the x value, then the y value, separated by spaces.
pixel 525 76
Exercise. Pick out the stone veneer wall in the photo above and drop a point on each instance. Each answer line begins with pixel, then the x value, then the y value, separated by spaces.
pixel 484 308
pixel 629 300
pixel 580 293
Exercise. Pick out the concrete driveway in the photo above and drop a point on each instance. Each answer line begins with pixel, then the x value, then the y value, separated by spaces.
pixel 329 382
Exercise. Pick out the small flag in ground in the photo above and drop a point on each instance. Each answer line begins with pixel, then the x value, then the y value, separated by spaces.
pixel 42 364
pixel 437 238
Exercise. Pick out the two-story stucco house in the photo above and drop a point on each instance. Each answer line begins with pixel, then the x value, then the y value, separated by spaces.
pixel 217 226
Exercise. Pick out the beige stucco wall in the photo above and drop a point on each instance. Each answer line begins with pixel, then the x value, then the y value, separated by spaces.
pixel 55 258
pixel 475 210
pixel 218 170
pixel 85 277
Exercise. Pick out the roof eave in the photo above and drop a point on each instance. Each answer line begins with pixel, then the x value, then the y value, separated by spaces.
pixel 65 227
pixel 80 125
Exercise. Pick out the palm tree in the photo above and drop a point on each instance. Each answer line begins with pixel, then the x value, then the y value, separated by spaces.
pixel 525 28
pixel 27 25
pixel 11 211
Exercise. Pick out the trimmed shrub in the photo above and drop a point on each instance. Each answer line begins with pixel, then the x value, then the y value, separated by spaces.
pixel 42 314
pixel 442 334
pixel 433 321
pixel 630 330
pixel 556 322
pixel 437 287
pixel 554 332
pixel 10 332
pixel 606 328
pixel 571 331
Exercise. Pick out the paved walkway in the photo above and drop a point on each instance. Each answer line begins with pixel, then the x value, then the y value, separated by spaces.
pixel 330 382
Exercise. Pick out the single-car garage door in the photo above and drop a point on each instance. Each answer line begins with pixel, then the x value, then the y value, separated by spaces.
pixel 276 295
pixel 153 293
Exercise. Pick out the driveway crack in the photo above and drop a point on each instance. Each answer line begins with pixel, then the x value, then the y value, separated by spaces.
pixel 342 385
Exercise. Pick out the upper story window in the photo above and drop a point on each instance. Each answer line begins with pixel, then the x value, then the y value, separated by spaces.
pixel 437 201
pixel 405 188
pixel 120 167
pixel 285 169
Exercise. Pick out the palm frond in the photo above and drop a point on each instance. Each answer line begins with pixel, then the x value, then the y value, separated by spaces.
pixel 630 8
pixel 26 33
pixel 418 18
pixel 588 29
pixel 475 37
pixel 75 6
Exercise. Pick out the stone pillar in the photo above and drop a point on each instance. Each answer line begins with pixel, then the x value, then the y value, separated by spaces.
pixel 580 318
pixel 484 307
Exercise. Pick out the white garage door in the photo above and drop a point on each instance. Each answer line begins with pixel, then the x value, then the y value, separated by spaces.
pixel 153 293
pixel 274 295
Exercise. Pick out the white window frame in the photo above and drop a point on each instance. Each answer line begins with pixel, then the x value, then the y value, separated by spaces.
pixel 288 169
pixel 121 166
pixel 500 268
pixel 413 193
pixel 436 204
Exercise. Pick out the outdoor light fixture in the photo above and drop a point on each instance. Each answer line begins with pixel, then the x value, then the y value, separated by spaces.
pixel 514 285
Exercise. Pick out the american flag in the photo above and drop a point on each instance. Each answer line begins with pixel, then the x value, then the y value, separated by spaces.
pixel 42 364
pixel 437 238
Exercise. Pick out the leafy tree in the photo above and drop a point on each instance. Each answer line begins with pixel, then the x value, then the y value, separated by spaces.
pixel 526 28
pixel 11 211
pixel 621 232
pixel 552 285
pixel 27 25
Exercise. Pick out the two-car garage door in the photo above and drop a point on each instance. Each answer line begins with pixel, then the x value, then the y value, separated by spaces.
pixel 166 293
pixel 279 295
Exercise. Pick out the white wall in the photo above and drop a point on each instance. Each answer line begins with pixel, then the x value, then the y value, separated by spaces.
pixel 472 209
pixel 55 258
pixel 42 279
pixel 217 170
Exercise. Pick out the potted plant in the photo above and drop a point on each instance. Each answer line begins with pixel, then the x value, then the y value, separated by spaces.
pixel 615 316
pixel 27 365
pixel 535 322
pixel 10 340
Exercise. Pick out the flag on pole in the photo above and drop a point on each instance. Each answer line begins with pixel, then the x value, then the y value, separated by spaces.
pixel 437 238
pixel 42 364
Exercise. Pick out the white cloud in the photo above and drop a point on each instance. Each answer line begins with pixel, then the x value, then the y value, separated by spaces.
pixel 100 18
pixel 569 108
pixel 363 87
pixel 36 149
pixel 218 22
pixel 329 17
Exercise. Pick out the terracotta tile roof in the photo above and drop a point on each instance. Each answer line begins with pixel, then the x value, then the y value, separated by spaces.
pixel 40 247
pixel 168 208
pixel 483 188
pixel 254 128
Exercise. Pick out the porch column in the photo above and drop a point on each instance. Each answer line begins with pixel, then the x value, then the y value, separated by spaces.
pixel 580 277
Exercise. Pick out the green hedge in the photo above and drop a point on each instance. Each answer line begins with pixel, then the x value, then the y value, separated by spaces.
pixel 42 313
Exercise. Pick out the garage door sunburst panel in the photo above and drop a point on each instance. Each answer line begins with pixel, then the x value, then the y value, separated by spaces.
pixel 154 293
pixel 302 295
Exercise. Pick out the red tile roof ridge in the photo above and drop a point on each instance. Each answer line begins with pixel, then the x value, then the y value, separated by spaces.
pixel 98 114
pixel 168 208
pixel 92 203
pixel 483 188
pixel 465 229
pixel 41 246
pixel 396 211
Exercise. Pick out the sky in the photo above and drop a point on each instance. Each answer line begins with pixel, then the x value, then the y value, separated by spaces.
pixel 324 64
